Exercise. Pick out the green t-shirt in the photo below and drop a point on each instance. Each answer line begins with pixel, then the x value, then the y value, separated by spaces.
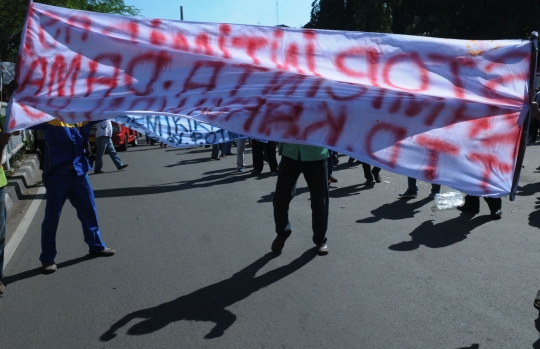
pixel 303 152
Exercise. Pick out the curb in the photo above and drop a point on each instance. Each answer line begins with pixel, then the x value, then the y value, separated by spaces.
pixel 18 183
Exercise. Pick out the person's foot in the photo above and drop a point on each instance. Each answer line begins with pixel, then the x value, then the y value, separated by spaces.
pixel 332 179
pixel 496 214
pixel 122 167
pixel 48 267
pixel 2 288
pixel 255 172
pixel 350 161
pixel 369 183
pixel 469 208
pixel 432 195
pixel 97 171
pixel 274 170
pixel 106 252
pixel 377 177
pixel 322 250
pixel 408 194
pixel 229 154
pixel 240 169
pixel 223 156
pixel 279 243
pixel 215 158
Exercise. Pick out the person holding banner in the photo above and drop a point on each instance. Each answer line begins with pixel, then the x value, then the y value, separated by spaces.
pixel 312 162
pixel 65 177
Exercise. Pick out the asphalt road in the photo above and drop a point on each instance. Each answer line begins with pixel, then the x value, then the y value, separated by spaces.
pixel 193 268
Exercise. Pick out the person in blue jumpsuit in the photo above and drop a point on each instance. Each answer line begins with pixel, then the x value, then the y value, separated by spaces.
pixel 65 177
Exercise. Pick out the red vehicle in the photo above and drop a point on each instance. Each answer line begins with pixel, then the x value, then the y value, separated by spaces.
pixel 121 137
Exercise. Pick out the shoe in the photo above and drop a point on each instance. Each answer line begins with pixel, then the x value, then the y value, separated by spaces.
pixel 255 172
pixel 369 183
pixel 332 179
pixel 378 178
pixel 408 194
pixel 469 208
pixel 350 161
pixel 122 167
pixel 432 195
pixel 278 243
pixel 97 171
pixel 48 267
pixel 229 154
pixel 323 250
pixel 274 171
pixel 106 252
pixel 216 158
pixel 223 156
pixel 496 214
pixel 240 169
pixel 2 288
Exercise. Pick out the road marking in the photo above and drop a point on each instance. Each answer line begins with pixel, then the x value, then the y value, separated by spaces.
pixel 21 230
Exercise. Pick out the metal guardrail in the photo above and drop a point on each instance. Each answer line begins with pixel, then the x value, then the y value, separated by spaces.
pixel 16 142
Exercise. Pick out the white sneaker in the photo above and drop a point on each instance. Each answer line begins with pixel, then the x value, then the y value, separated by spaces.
pixel 323 249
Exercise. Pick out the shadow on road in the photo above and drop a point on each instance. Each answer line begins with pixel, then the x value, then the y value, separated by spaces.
pixel 209 303
pixel 473 346
pixel 529 190
pixel 203 182
pixel 37 271
pixel 443 234
pixel 399 209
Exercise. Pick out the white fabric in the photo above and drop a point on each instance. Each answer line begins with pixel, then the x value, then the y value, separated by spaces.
pixel 442 110
pixel 104 128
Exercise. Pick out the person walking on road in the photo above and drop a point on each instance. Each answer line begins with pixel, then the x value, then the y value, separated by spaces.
pixel 104 141
pixel 65 176
pixel 312 162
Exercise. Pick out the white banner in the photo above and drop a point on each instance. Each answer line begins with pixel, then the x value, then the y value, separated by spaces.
pixel 441 110
pixel 179 132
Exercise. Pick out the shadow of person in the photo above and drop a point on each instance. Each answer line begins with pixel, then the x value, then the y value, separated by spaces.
pixel 528 189
pixel 209 303
pixel 399 209
pixel 534 216
pixel 443 234
pixel 536 345
pixel 473 346
pixel 37 271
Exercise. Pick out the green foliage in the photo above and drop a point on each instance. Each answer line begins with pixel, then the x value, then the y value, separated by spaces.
pixel 13 14
pixel 460 19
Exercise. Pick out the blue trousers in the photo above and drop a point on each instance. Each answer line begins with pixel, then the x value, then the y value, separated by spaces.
pixel 79 192
pixel 102 144
pixel 2 230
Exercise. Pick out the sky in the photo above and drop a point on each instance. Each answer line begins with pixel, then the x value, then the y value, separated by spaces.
pixel 294 13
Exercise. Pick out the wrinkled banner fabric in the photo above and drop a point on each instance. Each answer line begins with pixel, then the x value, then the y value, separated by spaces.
pixel 179 132
pixel 445 111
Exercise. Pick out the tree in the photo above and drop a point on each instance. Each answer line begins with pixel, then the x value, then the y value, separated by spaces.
pixel 13 15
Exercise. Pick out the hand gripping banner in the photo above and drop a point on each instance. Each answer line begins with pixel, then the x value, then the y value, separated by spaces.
pixel 441 110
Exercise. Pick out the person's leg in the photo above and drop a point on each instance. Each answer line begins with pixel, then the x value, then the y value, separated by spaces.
pixel 228 148
pixel 288 173
pixel 367 173
pixel 330 167
pixel 81 197
pixel 495 207
pixel 113 154
pixel 375 171
pixel 412 189
pixel 472 204
pixel 315 173
pixel 270 150
pixel 41 149
pixel 57 190
pixel 215 152
pixel 101 144
pixel 2 231
pixel 533 130
pixel 240 149
pixel 257 149
pixel 435 189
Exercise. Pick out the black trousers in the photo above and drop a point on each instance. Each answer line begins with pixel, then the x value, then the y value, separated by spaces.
pixel 473 202
pixel 258 149
pixel 369 173
pixel 315 173
pixel 533 129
